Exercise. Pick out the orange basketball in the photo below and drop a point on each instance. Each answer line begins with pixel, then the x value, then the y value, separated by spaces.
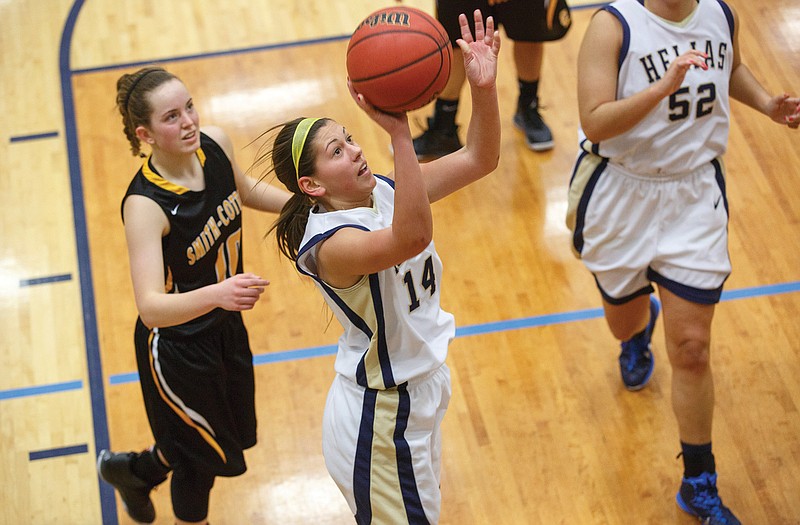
pixel 399 58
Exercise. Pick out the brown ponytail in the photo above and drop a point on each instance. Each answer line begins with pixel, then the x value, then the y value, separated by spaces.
pixel 290 226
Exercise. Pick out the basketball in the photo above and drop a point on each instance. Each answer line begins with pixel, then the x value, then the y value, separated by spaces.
pixel 399 59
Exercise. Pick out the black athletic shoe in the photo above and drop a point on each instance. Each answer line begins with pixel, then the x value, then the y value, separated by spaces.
pixel 435 143
pixel 537 134
pixel 115 469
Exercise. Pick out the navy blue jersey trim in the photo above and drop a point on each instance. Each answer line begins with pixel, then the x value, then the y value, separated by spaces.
pixel 647 290
pixel 578 163
pixel 363 459
pixel 695 295
pixel 729 16
pixel 626 34
pixel 385 179
pixel 313 241
pixel 580 216
pixel 383 346
pixel 405 465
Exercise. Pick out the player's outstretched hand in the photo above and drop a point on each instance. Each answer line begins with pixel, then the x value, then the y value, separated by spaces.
pixel 784 109
pixel 241 291
pixel 480 53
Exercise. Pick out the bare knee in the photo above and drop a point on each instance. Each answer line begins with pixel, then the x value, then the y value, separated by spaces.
pixel 691 355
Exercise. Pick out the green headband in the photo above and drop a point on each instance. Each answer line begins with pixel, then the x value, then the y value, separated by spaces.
pixel 299 141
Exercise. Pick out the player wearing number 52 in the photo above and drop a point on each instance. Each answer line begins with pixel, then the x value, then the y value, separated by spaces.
pixel 183 225
pixel 366 241
pixel 647 199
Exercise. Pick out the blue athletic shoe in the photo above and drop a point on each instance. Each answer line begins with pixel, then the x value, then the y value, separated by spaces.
pixel 698 496
pixel 636 359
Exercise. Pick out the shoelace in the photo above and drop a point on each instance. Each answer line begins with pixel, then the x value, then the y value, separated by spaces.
pixel 629 358
pixel 707 498
pixel 532 116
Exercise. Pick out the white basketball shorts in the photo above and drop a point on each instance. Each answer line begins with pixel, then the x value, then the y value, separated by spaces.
pixel 632 230
pixel 383 447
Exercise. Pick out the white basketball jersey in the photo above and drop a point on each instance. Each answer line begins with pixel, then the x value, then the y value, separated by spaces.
pixel 690 127
pixel 394 328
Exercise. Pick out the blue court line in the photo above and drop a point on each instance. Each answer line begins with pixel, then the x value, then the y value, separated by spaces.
pixel 294 355
pixel 57 452
pixel 760 291
pixel 464 331
pixel 45 280
pixel 121 379
pixel 491 327
pixel 34 136
pixel 29 391
pixel 258 359
pixel 528 322
pixel 535 321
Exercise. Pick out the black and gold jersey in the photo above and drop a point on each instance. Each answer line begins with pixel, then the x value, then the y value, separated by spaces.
pixel 204 244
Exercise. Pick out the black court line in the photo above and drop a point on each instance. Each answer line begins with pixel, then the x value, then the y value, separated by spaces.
pixel 58 452
pixel 35 136
pixel 24 283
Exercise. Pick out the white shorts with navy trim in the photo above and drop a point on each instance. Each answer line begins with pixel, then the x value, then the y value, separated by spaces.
pixel 383 447
pixel 632 230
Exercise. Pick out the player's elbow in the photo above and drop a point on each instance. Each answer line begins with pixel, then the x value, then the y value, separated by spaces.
pixel 149 312
pixel 592 132
pixel 485 166
pixel 481 162
pixel 414 244
pixel 148 319
pixel 424 240
pixel 491 163
pixel 420 242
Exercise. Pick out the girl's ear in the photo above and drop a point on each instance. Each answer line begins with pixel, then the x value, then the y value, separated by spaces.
pixel 143 134
pixel 310 187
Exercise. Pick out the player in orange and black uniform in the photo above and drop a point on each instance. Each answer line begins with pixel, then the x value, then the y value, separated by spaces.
pixel 182 215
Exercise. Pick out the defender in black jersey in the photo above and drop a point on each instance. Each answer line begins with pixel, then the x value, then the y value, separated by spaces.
pixel 183 224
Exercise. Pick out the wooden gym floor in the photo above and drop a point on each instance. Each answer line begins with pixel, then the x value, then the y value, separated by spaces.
pixel 539 431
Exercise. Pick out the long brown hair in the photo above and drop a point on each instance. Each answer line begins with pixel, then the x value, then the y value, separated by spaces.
pixel 290 226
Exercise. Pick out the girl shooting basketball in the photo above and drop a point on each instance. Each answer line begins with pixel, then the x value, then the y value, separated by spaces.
pixel 366 241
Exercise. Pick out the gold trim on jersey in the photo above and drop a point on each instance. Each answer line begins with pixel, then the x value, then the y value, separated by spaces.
pixel 163 183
